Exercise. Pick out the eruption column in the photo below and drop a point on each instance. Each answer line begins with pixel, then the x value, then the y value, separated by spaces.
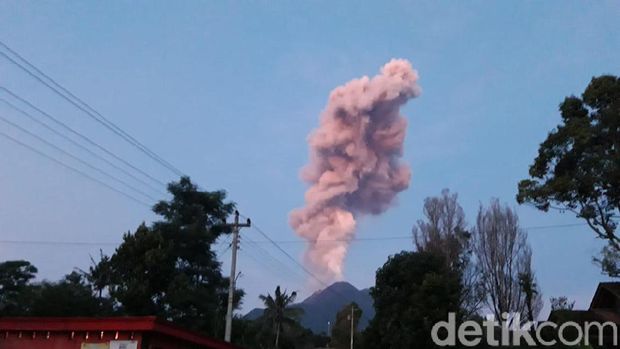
pixel 354 164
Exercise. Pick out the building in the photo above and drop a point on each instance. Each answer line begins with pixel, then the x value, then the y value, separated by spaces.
pixel 604 308
pixel 101 333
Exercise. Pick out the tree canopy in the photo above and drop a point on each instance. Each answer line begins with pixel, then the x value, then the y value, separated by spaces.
pixel 578 166
pixel 279 312
pixel 413 291
pixel 341 330
pixel 169 269
pixel 71 296
pixel 15 291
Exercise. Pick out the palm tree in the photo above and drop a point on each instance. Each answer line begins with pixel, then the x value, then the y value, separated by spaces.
pixel 277 310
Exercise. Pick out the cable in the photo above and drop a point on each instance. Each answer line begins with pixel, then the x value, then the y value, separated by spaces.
pixel 85 163
pixel 283 269
pixel 227 245
pixel 311 274
pixel 286 241
pixel 58 243
pixel 83 106
pixel 257 228
pixel 403 237
pixel 85 138
pixel 64 243
pixel 60 134
pixel 74 169
pixel 275 271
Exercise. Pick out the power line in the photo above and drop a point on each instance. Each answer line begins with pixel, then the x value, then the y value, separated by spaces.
pixel 282 267
pixel 311 274
pixel 85 163
pixel 58 243
pixel 85 107
pixel 403 237
pixel 64 243
pixel 80 172
pixel 77 144
pixel 80 135
pixel 256 243
pixel 275 269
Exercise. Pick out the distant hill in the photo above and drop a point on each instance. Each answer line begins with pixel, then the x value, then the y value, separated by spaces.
pixel 323 305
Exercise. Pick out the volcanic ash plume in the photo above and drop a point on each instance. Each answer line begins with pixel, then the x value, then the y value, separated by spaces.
pixel 354 164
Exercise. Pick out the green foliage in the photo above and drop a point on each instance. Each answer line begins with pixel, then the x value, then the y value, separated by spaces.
pixel 15 289
pixel 72 296
pixel 341 330
pixel 561 303
pixel 578 166
pixel 279 313
pixel 258 334
pixel 169 269
pixel 139 272
pixel 528 285
pixel 444 232
pixel 413 291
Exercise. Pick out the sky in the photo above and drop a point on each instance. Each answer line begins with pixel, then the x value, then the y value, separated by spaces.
pixel 228 92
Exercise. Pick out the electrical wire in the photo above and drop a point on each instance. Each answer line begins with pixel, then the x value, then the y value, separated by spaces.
pixel 283 268
pixel 84 107
pixel 76 158
pixel 80 172
pixel 77 144
pixel 301 266
pixel 282 241
pixel 80 135
pixel 403 237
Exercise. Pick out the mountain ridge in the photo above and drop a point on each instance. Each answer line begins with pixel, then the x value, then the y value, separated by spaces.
pixel 321 306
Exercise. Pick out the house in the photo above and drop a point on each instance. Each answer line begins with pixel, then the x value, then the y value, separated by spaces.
pixel 604 308
pixel 101 333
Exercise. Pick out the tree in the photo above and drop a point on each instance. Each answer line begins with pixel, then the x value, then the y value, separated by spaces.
pixel 561 303
pixel 169 269
pixel 15 288
pixel 444 233
pixel 341 330
pixel 504 259
pixel 533 300
pixel 578 166
pixel 140 271
pixel 279 312
pixel 72 296
pixel 413 291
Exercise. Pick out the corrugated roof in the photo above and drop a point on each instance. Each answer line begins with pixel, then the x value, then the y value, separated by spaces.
pixel 129 324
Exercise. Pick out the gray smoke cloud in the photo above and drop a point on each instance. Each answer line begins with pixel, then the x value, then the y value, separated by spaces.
pixel 354 166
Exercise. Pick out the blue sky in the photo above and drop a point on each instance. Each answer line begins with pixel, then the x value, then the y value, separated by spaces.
pixel 228 91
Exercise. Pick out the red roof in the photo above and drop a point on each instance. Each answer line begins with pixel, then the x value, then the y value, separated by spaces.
pixel 129 324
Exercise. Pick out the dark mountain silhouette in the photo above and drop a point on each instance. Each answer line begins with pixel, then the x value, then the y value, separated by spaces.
pixel 322 306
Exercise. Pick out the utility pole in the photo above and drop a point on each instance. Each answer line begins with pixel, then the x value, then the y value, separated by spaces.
pixel 233 272
pixel 352 332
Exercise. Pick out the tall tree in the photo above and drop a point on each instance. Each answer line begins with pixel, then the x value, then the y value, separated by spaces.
pixel 533 300
pixel 279 312
pixel 578 166
pixel 341 330
pixel 413 291
pixel 169 269
pixel 503 256
pixel 15 288
pixel 139 273
pixel 444 233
